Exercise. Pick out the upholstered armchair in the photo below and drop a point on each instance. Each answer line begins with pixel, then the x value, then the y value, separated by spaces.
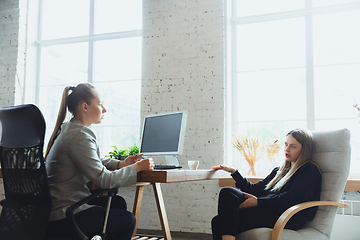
pixel 332 153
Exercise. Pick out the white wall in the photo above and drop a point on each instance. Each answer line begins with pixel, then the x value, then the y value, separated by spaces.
pixel 183 69
pixel 12 54
pixel 9 25
pixel 13 15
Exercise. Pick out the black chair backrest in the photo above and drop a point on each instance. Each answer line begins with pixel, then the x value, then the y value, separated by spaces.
pixel 27 203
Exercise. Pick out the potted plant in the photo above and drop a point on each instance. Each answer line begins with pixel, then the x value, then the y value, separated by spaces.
pixel 124 152
pixel 134 149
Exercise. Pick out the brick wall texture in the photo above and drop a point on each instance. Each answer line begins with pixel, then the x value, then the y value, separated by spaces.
pixel 13 15
pixel 183 69
pixel 9 28
pixel 12 51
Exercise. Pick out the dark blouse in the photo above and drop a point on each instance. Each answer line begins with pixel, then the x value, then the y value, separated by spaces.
pixel 303 186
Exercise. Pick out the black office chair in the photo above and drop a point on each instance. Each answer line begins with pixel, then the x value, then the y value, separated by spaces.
pixel 27 203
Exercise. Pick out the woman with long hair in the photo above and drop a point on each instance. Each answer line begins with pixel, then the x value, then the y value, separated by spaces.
pixel 73 159
pixel 260 205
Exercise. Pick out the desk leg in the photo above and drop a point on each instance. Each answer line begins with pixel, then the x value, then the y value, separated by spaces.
pixel 137 205
pixel 162 213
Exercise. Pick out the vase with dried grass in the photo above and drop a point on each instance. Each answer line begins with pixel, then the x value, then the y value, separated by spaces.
pixel 253 149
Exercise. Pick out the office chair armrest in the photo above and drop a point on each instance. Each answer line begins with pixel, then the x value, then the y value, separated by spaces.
pixel 2 202
pixel 70 211
pixel 285 217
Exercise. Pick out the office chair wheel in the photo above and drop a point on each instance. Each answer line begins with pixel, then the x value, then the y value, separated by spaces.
pixel 96 237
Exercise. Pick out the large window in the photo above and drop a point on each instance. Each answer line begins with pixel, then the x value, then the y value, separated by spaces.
pixel 293 64
pixel 96 41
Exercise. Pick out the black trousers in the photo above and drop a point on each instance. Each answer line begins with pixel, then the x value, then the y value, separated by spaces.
pixel 231 220
pixel 120 226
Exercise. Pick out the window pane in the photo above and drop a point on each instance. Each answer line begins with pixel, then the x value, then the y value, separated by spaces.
pixel 336 38
pixel 116 16
pixel 321 3
pixel 117 64
pixel 336 91
pixel 269 45
pixel 256 7
pixel 271 74
pixel 121 124
pixel 64 64
pixel 122 101
pixel 272 95
pixel 65 18
pixel 118 59
pixel 120 136
pixel 270 64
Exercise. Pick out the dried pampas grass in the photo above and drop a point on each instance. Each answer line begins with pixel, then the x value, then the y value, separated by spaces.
pixel 253 149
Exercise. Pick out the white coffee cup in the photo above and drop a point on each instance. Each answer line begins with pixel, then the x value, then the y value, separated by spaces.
pixel 193 165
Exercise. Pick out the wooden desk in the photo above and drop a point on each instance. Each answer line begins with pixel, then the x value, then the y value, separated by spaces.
pixel 155 178
pixel 172 176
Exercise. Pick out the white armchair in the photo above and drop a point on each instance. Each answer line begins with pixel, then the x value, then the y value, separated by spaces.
pixel 332 153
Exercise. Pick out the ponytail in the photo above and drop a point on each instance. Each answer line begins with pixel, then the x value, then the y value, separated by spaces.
pixel 60 119
pixel 83 92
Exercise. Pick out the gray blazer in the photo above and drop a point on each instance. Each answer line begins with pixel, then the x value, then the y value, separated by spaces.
pixel 74 160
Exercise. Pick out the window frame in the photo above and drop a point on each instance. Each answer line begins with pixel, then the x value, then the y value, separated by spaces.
pixel 231 61
pixel 35 44
pixel 90 38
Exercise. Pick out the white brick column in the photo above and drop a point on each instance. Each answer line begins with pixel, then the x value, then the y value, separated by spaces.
pixel 183 69
pixel 13 18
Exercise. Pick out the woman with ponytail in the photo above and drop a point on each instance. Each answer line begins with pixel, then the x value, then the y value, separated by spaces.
pixel 73 159
pixel 261 204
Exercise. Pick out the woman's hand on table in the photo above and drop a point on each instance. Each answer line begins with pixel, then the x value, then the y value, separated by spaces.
pixel 144 164
pixel 130 160
pixel 224 168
